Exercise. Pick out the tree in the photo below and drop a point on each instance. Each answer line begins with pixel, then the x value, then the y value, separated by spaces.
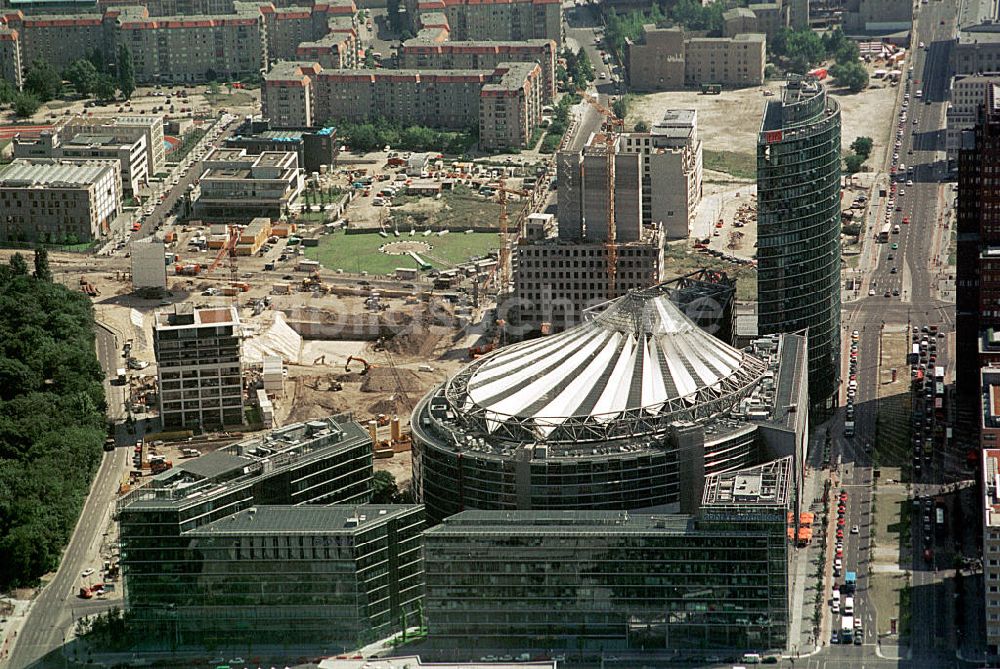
pixel 7 92
pixel 862 146
pixel 82 74
pixel 852 229
pixel 384 488
pixel 42 269
pixel 853 163
pixel 43 80
pixel 126 71
pixel 105 89
pixel 852 76
pixel 18 265
pixel 26 104
pixel 620 107
pixel 641 126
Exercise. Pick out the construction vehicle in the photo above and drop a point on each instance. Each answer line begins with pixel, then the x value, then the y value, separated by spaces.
pixel 613 126
pixel 482 349
pixel 89 289
pixel 229 250
pixel 158 463
pixel 86 593
pixel 503 267
pixel 188 269
pixel 350 358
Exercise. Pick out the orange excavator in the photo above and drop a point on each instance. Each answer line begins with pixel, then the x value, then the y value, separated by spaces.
pixel 368 365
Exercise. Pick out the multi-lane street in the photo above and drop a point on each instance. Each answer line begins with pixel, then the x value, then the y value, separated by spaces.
pixel 900 290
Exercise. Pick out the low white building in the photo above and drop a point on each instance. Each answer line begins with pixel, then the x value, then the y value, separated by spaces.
pixel 149 269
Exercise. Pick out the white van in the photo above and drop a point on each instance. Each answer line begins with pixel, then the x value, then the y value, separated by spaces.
pixel 848 606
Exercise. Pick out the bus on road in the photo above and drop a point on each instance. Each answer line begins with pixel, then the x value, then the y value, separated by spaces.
pixel 883 236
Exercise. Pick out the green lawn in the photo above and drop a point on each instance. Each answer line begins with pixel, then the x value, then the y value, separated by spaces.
pixel 359 252
pixel 740 165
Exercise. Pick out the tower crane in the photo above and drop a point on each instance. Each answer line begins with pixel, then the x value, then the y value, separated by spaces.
pixel 503 267
pixel 229 249
pixel 613 126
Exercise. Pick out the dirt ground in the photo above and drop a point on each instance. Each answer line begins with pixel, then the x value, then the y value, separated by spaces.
pixel 731 121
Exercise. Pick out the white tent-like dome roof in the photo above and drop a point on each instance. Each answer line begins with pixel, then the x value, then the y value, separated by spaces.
pixel 640 358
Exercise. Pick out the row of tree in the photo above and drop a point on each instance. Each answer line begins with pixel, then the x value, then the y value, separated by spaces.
pixel 374 135
pixel 800 50
pixel 691 15
pixel 578 71
pixel 52 421
pixel 89 77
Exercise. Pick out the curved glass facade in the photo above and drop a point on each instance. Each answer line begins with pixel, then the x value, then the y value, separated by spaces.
pixel 619 474
pixel 798 227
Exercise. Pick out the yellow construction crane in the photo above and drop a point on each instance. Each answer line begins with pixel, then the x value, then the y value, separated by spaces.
pixel 503 267
pixel 612 127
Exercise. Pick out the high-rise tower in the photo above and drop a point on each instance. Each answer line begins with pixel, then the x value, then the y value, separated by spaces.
pixel 798 227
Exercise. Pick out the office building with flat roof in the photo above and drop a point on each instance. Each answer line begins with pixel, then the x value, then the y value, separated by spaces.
pixel 991 527
pixel 554 580
pixel 59 201
pixel 198 367
pixel 237 186
pixel 977 319
pixel 798 227
pixel 966 95
pixel 130 152
pixel 315 147
pixel 240 546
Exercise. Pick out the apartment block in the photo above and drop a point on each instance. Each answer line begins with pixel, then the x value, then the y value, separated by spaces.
pixel 768 18
pixel 198 361
pixel 152 129
pixel 556 280
pixel 11 65
pixel 130 152
pixel 59 201
pixel 547 579
pixel 431 54
pixel 287 96
pixel 288 27
pixel 514 20
pixel 505 103
pixel 237 186
pixel 510 106
pixel 55 38
pixel 333 51
pixel 263 541
pixel 666 59
pixel 179 49
pixel 967 93
pixel 671 171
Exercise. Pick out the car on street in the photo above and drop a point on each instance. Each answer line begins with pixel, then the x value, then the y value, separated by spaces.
pixel 87 572
pixel 855 529
pixel 894 246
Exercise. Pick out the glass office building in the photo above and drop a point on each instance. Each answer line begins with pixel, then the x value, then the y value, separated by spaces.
pixel 576 580
pixel 335 576
pixel 164 567
pixel 798 227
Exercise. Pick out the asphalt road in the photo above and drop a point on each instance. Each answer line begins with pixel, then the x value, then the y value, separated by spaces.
pixel 917 268
pixel 52 614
